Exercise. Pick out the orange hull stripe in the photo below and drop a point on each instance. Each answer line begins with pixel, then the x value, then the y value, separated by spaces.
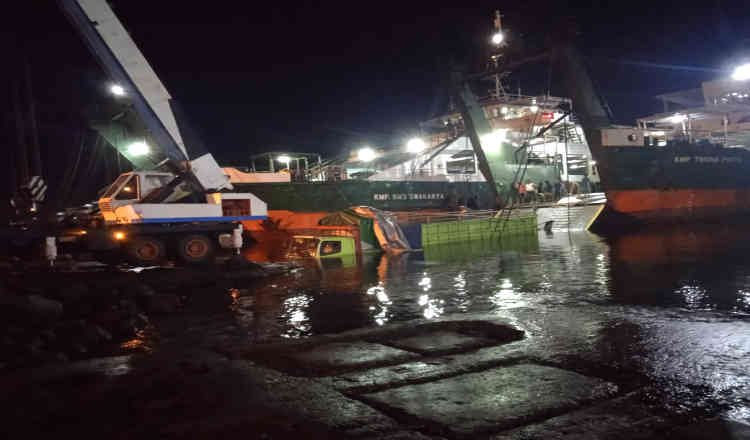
pixel 634 201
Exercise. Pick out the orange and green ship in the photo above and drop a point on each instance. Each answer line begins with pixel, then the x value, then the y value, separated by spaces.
pixel 690 163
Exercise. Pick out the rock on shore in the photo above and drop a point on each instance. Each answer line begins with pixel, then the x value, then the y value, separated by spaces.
pixel 59 316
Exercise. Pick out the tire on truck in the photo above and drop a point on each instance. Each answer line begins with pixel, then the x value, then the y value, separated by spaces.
pixel 145 250
pixel 195 249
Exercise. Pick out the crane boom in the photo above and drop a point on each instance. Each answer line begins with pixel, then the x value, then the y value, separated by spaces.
pixel 124 62
pixel 477 126
pixel 590 107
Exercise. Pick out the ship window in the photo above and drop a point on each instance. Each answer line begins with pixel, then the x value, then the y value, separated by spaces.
pixel 330 248
pixel 632 137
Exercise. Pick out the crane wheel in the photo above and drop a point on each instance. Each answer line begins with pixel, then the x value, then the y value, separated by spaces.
pixel 146 250
pixel 195 249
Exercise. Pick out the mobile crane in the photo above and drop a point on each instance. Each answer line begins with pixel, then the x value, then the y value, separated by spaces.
pixel 171 204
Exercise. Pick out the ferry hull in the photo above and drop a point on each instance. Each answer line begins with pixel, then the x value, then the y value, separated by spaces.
pixel 388 195
pixel 693 204
pixel 679 183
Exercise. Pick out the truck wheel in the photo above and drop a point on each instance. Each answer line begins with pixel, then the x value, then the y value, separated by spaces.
pixel 195 249
pixel 146 250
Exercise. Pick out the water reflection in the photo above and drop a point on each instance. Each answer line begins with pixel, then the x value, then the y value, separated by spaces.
pixel 432 307
pixel 294 312
pixel 425 283
pixel 693 269
pixel 381 316
pixel 507 297
pixel 701 267
pixel 462 298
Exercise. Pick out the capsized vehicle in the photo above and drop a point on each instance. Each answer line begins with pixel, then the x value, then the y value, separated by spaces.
pixel 324 246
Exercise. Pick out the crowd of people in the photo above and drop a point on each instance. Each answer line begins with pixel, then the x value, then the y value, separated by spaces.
pixel 526 192
pixel 544 191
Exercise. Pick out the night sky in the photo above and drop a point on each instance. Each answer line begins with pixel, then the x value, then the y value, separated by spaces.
pixel 329 76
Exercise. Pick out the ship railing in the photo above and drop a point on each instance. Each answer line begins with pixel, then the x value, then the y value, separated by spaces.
pixel 400 173
pixel 518 99
pixel 696 135
pixel 406 218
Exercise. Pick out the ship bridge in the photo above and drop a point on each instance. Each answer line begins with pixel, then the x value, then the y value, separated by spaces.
pixel 717 112
pixel 514 120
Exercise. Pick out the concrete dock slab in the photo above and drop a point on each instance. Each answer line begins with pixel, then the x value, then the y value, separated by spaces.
pixel 430 369
pixel 441 342
pixel 624 418
pixel 342 355
pixel 492 400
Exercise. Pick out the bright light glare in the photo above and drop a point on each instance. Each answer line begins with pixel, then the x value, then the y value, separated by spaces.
pixel 497 38
pixel 491 142
pixel 415 145
pixel 284 159
pixel 504 110
pixel 741 73
pixel 366 154
pixel 119 236
pixel 676 119
pixel 138 149
pixel 534 108
pixel 117 90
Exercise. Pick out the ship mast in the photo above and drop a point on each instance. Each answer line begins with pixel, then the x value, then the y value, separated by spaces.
pixel 498 40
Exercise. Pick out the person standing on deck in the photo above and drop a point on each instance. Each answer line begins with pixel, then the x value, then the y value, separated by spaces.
pixel 585 185
pixel 548 189
pixel 521 192
pixel 531 191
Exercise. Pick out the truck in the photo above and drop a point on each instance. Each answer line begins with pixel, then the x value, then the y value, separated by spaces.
pixel 171 205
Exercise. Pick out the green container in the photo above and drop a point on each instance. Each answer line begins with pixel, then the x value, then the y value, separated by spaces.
pixel 476 229
pixel 471 250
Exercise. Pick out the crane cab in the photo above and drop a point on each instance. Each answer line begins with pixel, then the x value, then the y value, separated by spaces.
pixel 131 188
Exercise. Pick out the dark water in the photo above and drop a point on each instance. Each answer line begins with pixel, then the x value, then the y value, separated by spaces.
pixel 673 304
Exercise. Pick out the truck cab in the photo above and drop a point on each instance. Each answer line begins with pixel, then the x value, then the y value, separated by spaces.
pixel 323 247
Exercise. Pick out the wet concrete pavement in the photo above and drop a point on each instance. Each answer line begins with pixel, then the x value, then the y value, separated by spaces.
pixel 479 377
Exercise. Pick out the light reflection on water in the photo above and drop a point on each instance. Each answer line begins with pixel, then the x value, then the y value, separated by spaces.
pixel 581 269
pixel 381 316
pixel 671 304
pixel 295 313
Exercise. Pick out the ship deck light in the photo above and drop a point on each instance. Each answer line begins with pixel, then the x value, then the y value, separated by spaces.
pixel 366 154
pixel 741 72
